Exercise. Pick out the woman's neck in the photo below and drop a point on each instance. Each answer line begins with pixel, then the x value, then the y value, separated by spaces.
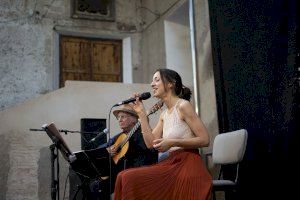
pixel 170 101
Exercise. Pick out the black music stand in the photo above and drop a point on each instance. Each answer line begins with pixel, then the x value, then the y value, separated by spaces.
pixel 84 163
pixel 58 144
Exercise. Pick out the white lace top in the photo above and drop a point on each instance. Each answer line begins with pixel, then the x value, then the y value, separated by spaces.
pixel 174 127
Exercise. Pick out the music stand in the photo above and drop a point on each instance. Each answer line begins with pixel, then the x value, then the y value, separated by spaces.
pixel 83 163
pixel 58 144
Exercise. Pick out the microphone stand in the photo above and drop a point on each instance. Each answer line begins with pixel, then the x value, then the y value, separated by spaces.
pixel 65 131
pixel 54 156
pixel 54 177
pixel 54 183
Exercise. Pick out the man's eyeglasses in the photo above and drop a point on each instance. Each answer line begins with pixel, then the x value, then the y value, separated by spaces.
pixel 122 117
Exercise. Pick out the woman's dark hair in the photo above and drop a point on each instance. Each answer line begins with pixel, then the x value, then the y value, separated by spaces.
pixel 171 76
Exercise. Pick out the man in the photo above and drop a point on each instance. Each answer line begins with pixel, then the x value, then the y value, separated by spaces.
pixel 137 154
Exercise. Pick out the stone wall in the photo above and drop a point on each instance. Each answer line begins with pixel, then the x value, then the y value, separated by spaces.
pixel 29 46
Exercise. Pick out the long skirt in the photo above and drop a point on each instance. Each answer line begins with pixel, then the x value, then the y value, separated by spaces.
pixel 181 176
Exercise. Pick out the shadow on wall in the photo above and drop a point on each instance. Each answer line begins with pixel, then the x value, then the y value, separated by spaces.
pixel 4 165
pixel 44 174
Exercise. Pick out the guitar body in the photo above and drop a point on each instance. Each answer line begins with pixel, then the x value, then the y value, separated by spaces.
pixel 123 150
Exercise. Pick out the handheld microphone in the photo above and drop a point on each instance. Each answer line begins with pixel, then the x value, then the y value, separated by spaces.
pixel 105 131
pixel 143 96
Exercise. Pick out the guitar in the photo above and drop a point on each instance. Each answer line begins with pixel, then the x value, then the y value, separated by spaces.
pixel 121 144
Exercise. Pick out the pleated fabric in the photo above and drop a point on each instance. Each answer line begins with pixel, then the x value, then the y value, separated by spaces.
pixel 181 176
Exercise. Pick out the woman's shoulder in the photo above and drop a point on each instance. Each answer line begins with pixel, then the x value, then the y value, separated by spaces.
pixel 185 107
pixel 182 104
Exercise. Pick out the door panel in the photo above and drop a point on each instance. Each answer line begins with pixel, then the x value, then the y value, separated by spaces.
pixel 90 60
pixel 108 60
pixel 106 78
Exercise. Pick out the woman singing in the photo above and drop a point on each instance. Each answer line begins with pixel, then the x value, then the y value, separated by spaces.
pixel 180 132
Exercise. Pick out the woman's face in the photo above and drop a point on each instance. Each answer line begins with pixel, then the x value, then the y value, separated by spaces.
pixel 157 85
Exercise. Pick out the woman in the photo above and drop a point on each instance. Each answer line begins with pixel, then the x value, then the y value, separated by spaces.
pixel 182 175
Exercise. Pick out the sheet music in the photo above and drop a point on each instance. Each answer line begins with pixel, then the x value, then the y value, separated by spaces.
pixel 56 137
pixel 91 163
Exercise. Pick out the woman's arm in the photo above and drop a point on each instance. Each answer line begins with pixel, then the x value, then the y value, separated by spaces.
pixel 149 135
pixel 188 114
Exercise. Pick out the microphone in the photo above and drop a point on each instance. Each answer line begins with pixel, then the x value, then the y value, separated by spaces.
pixel 143 96
pixel 105 131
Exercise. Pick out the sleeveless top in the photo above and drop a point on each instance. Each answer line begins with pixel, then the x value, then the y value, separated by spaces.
pixel 174 127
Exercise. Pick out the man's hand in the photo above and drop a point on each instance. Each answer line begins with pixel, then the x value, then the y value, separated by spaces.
pixel 112 150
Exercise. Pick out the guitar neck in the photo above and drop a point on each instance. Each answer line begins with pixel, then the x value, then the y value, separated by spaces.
pixel 136 126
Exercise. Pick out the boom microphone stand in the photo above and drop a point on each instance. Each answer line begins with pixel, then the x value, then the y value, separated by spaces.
pixel 54 176
pixel 54 182
pixel 65 131
pixel 59 144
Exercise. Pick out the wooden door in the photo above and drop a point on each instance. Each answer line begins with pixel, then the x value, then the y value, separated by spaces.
pixel 90 60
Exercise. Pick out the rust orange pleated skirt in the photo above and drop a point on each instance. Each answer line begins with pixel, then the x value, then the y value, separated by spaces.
pixel 181 176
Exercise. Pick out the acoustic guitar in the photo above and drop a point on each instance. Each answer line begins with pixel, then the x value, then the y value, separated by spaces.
pixel 122 143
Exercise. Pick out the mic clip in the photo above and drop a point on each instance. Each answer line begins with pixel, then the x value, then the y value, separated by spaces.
pixel 105 131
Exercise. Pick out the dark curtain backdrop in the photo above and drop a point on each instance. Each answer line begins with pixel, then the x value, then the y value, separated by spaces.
pixel 256 61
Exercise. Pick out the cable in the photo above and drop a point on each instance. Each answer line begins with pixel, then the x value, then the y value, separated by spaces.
pixel 160 14
pixel 109 155
pixel 148 9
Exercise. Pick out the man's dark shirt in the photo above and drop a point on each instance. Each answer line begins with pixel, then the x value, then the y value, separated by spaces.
pixel 137 154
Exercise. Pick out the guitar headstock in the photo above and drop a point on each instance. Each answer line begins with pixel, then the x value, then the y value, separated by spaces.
pixel 156 107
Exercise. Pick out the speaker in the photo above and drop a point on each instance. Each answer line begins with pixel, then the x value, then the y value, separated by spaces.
pixel 90 128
